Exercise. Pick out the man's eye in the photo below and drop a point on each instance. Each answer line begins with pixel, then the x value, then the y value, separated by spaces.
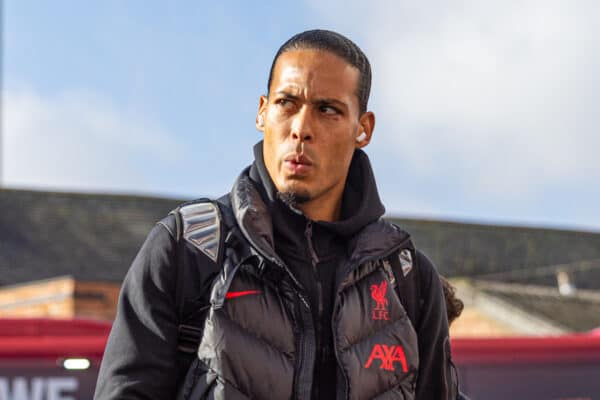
pixel 329 110
pixel 284 102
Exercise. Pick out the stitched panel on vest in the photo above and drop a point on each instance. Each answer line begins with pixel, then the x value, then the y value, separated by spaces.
pixel 250 364
pixel 367 307
pixel 377 343
pixel 382 362
pixel 258 309
pixel 224 390
pixel 396 393
pixel 250 341
pixel 359 273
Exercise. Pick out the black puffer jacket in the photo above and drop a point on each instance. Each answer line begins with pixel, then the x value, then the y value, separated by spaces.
pixel 260 340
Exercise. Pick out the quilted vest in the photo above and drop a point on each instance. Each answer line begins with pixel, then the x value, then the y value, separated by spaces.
pixel 258 339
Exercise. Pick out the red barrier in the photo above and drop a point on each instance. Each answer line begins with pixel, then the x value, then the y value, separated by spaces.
pixel 554 349
pixel 52 338
pixel 526 368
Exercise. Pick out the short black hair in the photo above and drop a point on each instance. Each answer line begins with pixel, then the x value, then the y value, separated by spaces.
pixel 341 46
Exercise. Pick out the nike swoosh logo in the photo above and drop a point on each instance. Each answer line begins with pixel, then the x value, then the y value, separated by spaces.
pixel 232 295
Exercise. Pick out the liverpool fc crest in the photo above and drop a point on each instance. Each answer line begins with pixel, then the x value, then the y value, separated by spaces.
pixel 378 293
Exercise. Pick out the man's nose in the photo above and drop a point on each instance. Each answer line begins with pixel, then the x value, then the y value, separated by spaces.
pixel 302 125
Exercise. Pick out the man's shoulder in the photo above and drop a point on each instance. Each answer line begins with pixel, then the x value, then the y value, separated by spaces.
pixel 421 258
pixel 424 262
pixel 415 260
pixel 169 224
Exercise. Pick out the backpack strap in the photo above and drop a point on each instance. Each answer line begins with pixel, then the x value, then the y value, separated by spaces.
pixel 405 269
pixel 199 223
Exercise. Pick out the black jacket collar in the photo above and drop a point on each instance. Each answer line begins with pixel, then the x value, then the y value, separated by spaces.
pixel 361 204
pixel 257 209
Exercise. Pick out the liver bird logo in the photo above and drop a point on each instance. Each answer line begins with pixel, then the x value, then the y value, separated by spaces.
pixel 378 293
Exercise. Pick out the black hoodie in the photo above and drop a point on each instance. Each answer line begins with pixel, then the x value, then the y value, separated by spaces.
pixel 314 250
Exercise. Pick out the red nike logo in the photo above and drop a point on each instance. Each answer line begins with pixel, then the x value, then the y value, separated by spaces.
pixel 231 295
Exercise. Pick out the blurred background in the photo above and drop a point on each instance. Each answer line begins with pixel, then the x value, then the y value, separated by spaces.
pixel 485 149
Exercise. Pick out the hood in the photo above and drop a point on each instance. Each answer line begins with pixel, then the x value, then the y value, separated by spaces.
pixel 259 213
pixel 361 204
pixel 266 221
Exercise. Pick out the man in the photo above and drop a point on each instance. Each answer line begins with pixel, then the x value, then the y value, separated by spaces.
pixel 298 288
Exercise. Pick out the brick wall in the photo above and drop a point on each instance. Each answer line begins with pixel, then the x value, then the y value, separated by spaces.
pixel 61 297
pixel 49 298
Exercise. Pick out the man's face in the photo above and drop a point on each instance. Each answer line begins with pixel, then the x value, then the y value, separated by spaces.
pixel 311 121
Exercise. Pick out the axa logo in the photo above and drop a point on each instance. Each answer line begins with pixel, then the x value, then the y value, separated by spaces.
pixel 388 355
pixel 378 293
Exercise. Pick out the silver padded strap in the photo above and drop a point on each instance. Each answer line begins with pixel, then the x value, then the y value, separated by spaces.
pixel 202 227
pixel 406 261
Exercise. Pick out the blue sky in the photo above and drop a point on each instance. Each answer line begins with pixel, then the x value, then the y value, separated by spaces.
pixel 486 111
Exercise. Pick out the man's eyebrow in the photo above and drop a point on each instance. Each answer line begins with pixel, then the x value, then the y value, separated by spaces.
pixel 286 94
pixel 319 101
pixel 329 101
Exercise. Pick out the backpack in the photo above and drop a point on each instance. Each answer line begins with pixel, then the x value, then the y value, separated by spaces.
pixel 402 268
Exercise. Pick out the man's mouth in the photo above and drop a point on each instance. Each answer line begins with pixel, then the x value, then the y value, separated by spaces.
pixel 298 164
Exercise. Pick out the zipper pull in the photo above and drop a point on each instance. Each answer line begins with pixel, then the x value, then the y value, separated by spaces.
pixel 303 300
pixel 308 234
pixel 308 230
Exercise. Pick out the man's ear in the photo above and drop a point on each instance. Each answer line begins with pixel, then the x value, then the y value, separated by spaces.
pixel 366 125
pixel 260 115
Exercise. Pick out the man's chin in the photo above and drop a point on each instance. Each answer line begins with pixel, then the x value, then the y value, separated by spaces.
pixel 294 198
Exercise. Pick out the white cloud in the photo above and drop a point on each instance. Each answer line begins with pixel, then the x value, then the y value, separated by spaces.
pixel 78 140
pixel 504 93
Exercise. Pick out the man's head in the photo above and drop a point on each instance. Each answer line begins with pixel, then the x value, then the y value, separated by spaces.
pixel 339 45
pixel 314 115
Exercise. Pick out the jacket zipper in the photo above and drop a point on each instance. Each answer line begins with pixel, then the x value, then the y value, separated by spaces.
pixel 336 306
pixel 314 258
pixel 306 346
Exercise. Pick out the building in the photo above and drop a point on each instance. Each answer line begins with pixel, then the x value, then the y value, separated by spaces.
pixel 65 255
